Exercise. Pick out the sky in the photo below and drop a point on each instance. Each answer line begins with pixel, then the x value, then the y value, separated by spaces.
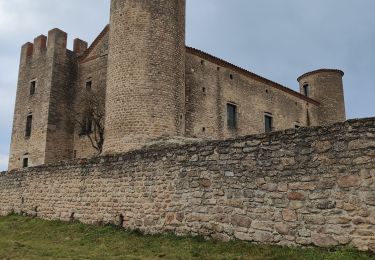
pixel 277 39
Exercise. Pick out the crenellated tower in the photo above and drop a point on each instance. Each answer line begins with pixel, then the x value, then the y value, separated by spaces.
pixel 145 97
pixel 42 127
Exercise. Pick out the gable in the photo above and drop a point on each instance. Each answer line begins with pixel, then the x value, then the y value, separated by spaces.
pixel 98 48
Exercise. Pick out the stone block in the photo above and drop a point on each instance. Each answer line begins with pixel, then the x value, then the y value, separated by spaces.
pixel 322 146
pixel 282 228
pixel 263 225
pixel 243 236
pixel 361 144
pixel 241 221
pixel 348 181
pixel 323 240
pixel 289 215
pixel 263 237
pixel 296 196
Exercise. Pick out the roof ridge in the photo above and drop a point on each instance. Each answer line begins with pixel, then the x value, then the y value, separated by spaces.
pixel 251 74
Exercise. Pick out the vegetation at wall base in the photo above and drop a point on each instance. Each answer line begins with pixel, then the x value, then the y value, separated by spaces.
pixel 32 238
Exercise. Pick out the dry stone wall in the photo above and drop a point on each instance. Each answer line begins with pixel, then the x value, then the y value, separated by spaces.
pixel 313 186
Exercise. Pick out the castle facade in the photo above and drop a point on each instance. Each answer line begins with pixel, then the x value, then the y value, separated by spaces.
pixel 152 87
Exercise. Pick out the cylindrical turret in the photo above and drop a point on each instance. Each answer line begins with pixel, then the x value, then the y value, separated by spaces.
pixel 146 73
pixel 326 87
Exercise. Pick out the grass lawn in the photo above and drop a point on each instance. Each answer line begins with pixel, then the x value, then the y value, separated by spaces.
pixel 28 238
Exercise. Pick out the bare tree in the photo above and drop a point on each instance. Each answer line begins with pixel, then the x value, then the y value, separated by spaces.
pixel 89 115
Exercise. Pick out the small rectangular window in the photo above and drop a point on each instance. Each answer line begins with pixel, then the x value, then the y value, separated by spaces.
pixel 86 127
pixel 29 123
pixel 232 116
pixel 306 90
pixel 25 162
pixel 268 121
pixel 89 126
pixel 88 85
pixel 32 87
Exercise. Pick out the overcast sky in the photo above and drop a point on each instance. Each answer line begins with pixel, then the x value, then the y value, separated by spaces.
pixel 278 39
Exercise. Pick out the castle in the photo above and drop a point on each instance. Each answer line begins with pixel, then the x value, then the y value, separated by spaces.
pixel 153 86
pixel 312 186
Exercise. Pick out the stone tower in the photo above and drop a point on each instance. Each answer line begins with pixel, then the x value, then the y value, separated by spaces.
pixel 326 87
pixel 42 130
pixel 145 97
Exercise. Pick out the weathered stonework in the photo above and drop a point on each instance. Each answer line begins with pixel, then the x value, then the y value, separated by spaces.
pixel 313 186
pixel 154 86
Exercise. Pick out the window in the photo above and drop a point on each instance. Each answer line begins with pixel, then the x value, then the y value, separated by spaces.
pixel 86 127
pixel 232 116
pixel 25 162
pixel 29 122
pixel 32 87
pixel 306 89
pixel 231 76
pixel 88 85
pixel 297 125
pixel 268 123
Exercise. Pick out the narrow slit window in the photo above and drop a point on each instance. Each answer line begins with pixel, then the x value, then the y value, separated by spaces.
pixel 29 123
pixel 89 85
pixel 232 116
pixel 306 90
pixel 89 126
pixel 268 123
pixel 32 87
pixel 25 162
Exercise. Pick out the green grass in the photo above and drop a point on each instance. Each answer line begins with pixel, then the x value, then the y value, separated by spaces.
pixel 29 238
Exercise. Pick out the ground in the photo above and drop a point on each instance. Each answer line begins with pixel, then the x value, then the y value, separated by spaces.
pixel 31 238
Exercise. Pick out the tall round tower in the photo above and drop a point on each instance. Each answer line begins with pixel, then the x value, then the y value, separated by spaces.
pixel 146 73
pixel 326 87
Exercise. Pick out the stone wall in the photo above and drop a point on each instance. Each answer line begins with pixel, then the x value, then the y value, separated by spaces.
pixel 313 186
pixel 91 67
pixel 212 83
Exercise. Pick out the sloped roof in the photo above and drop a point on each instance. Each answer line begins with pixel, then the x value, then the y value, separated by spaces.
pixel 249 74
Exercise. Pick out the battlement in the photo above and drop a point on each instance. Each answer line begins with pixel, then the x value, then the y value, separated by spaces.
pixel 40 44
pixel 55 42
pixel 79 46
